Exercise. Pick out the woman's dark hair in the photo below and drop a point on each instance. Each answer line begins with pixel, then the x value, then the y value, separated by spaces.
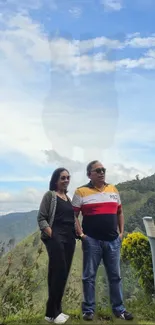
pixel 55 177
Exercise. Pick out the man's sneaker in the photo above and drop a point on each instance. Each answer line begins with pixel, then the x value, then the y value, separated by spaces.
pixel 49 319
pixel 88 316
pixel 125 315
pixel 60 319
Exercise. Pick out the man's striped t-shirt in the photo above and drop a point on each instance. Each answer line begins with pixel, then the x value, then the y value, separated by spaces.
pixel 99 209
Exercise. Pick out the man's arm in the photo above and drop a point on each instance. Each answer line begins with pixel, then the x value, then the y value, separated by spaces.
pixel 78 228
pixel 77 203
pixel 120 216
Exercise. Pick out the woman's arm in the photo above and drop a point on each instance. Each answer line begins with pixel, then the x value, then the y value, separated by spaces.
pixel 43 214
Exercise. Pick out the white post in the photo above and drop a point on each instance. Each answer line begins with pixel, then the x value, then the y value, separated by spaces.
pixel 150 231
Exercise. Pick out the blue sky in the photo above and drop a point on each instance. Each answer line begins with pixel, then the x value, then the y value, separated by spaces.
pixel 77 78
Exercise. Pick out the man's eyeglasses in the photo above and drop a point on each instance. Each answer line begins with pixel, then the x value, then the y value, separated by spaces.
pixel 99 170
pixel 63 178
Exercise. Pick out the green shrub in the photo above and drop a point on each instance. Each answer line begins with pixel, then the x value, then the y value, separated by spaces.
pixel 17 295
pixel 136 249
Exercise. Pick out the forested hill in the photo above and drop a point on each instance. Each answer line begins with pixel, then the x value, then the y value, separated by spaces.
pixel 138 199
pixel 144 185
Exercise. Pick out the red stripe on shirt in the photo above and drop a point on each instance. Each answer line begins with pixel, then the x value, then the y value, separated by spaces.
pixel 100 208
pixel 76 209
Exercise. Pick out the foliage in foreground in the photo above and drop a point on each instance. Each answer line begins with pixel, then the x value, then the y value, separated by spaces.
pixel 136 249
pixel 18 295
pixel 19 283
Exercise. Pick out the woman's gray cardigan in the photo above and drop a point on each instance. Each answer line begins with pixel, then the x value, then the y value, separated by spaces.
pixel 46 212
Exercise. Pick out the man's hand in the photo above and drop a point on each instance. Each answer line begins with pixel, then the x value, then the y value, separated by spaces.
pixel 83 236
pixel 121 235
pixel 78 227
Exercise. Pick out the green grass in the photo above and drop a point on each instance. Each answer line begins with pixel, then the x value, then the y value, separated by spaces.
pixel 144 313
pixel 75 318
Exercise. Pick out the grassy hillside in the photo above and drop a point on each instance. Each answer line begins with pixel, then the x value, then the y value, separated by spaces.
pixel 23 275
pixel 24 283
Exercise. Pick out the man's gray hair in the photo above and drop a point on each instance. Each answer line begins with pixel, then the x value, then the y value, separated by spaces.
pixel 89 166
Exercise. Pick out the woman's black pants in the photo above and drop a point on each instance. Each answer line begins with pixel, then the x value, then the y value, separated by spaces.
pixel 60 251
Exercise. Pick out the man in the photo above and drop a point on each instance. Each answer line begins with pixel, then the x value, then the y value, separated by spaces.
pixel 102 213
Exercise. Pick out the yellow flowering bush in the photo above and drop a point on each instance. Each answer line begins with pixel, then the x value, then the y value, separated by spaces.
pixel 137 251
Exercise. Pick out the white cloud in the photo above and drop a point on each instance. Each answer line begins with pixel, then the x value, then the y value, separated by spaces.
pixel 136 41
pixel 29 128
pixel 75 12
pixel 151 53
pixel 29 198
pixel 25 45
pixel 76 130
pixel 115 5
pixel 10 178
pixel 135 133
pixel 25 200
pixel 29 195
pixel 86 45
pixel 147 63
pixel 21 129
pixel 119 169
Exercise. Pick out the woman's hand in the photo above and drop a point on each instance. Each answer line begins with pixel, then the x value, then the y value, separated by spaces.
pixel 48 231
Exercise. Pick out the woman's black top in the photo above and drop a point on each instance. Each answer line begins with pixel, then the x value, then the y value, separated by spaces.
pixel 64 218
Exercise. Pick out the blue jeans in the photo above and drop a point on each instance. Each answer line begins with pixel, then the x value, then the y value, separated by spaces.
pixel 93 252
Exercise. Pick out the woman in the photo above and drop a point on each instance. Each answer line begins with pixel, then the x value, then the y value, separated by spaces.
pixel 56 222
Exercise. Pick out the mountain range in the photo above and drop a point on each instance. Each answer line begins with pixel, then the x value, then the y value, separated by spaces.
pixel 137 196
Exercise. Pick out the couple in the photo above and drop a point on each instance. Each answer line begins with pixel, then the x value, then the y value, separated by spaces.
pixel 101 234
